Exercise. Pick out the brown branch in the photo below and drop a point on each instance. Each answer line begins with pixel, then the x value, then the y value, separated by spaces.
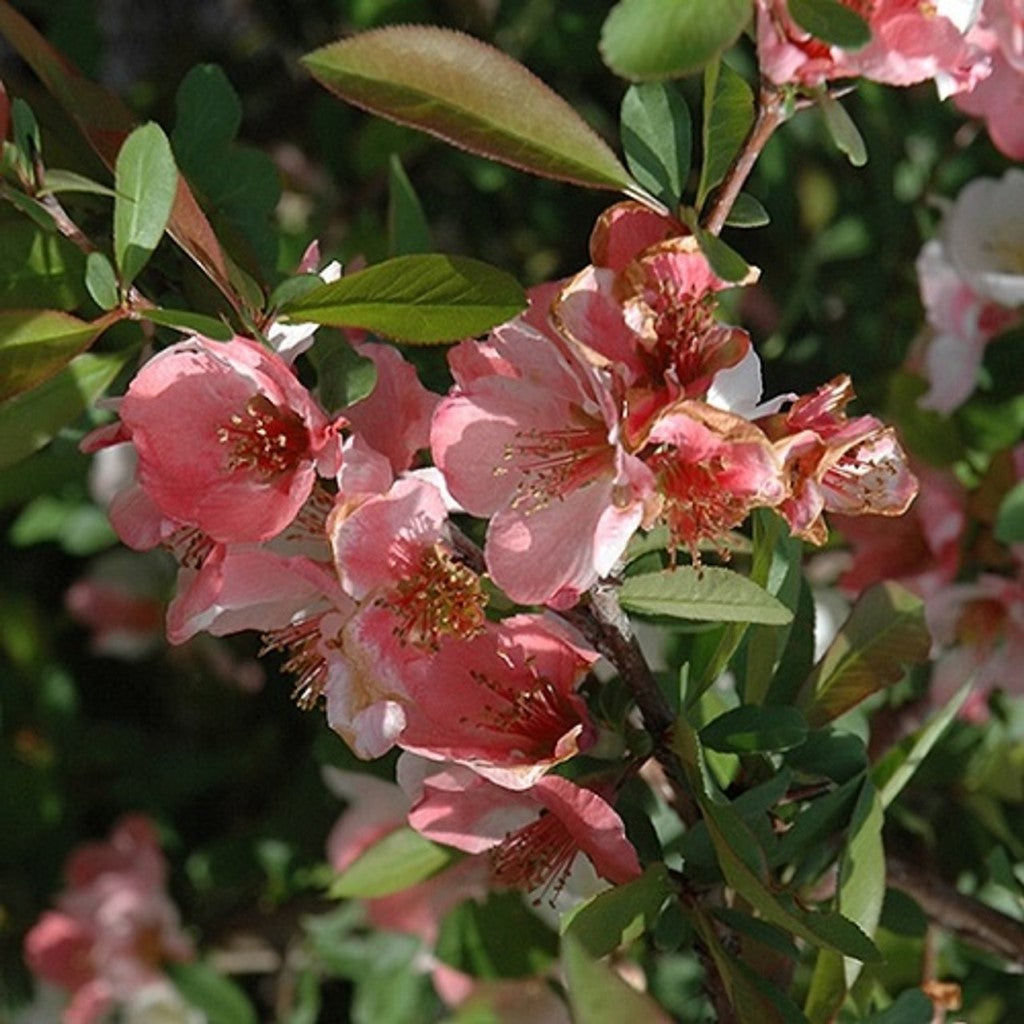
pixel 973 921
pixel 770 112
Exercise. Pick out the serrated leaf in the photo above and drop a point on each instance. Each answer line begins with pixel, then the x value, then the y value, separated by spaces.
pixel 401 859
pixel 146 181
pixel 422 299
pixel 832 22
pixel 884 634
pixel 215 995
pixel 728 115
pixel 101 281
pixel 747 212
pixel 656 137
pixel 598 995
pixel 471 95
pixel 188 322
pixel 36 343
pixel 844 132
pixel 619 915
pixel 408 230
pixel 750 728
pixel 711 594
pixel 668 38
pixel 32 419
pixel 1010 518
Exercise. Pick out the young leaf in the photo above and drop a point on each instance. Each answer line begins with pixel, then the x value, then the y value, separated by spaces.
pixel 749 729
pixel 188 322
pixel 883 635
pixel 32 419
pixel 101 281
pixel 844 132
pixel 832 22
pixel 418 298
pixel 146 181
pixel 656 136
pixel 25 132
pixel 36 343
pixel 728 115
pixel 711 594
pixel 408 230
pixel 668 38
pixel 210 991
pixel 598 995
pixel 725 261
pixel 747 212
pixel 69 181
pixel 1010 518
pixel 402 858
pixel 471 95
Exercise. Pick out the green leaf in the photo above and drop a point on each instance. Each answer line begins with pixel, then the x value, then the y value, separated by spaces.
pixel 911 1007
pixel 832 22
pixel 146 181
pixel 728 115
pixel 417 298
pixel 408 230
pixel 1010 518
pixel 208 990
pixel 747 212
pixel 750 728
pixel 101 281
pixel 25 133
pixel 656 136
pixel 30 420
pixel 344 377
pixel 619 915
pixel 884 634
pixel 36 343
pixel 844 132
pixel 69 181
pixel 598 995
pixel 401 859
pixel 725 261
pixel 471 95
pixel 667 38
pixel 38 269
pixel 208 114
pixel 711 594
pixel 189 323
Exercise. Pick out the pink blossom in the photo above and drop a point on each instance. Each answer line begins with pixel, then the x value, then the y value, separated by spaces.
pixel 514 688
pixel 229 443
pixel 533 836
pixel 114 926
pixel 853 466
pixel 530 437
pixel 910 42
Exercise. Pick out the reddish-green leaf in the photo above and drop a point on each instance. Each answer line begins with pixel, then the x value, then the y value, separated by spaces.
pixel 884 634
pixel 36 343
pixel 471 95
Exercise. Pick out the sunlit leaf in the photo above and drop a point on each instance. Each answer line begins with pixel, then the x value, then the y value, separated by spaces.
pixel 402 858
pixel 884 634
pixel 728 115
pixel 146 180
pixel 38 268
pixel 209 990
pixel 832 22
pixel 408 230
pixel 471 95
pixel 844 132
pixel 711 594
pixel 101 280
pixel 667 38
pixel 747 212
pixel 30 420
pixel 188 322
pixel 424 298
pixel 68 181
pixel 656 136
pixel 36 343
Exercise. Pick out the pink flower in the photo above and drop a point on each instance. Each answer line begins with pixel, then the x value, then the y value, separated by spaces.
pixel 529 436
pixel 229 443
pixel 910 42
pixel 837 464
pixel 533 836
pixel 503 703
pixel 114 927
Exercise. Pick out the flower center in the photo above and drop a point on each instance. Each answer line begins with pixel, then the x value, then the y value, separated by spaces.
pixel 306 662
pixel 537 856
pixel 439 597
pixel 264 439
pixel 554 463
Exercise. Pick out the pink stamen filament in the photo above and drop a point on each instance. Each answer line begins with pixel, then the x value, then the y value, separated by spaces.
pixel 536 858
pixel 306 661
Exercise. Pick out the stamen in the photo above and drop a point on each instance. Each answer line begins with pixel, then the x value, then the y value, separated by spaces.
pixel 264 439
pixel 189 546
pixel 536 858
pixel 306 660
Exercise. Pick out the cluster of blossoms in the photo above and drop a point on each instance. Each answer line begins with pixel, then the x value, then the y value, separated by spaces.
pixel 113 930
pixel 617 402
pixel 973 49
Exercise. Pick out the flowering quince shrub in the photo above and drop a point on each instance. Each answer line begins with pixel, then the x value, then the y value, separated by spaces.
pixel 643 672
